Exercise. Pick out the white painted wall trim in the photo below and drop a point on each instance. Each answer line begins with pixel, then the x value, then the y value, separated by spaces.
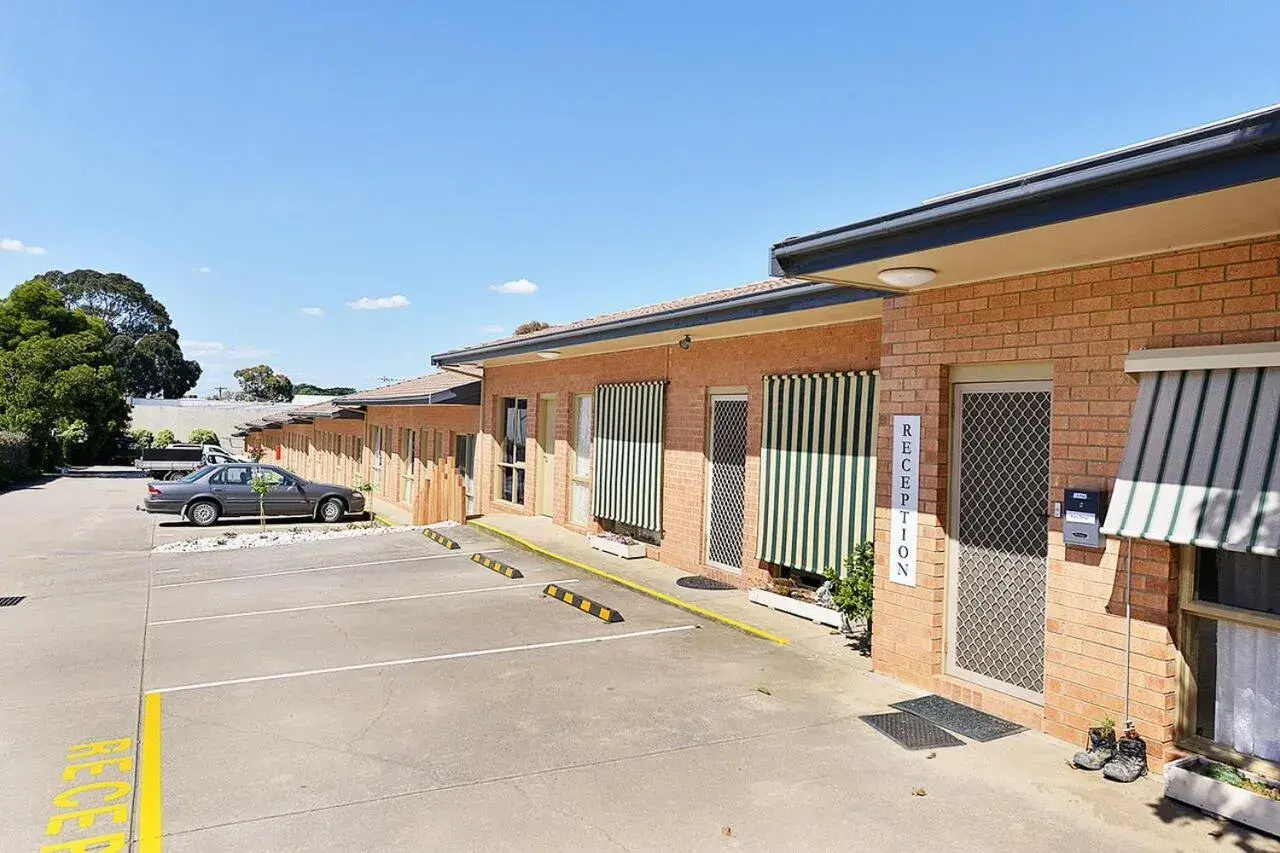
pixel 1203 358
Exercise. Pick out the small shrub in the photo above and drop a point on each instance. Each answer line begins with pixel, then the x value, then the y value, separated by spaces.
pixel 72 438
pixel 200 435
pixel 853 590
pixel 164 438
pixel 15 457
pixel 255 453
pixel 141 439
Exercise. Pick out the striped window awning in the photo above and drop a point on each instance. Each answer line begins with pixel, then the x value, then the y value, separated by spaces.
pixel 628 453
pixel 817 468
pixel 1201 465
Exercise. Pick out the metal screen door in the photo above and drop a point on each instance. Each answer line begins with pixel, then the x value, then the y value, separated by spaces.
pixel 999 559
pixel 726 480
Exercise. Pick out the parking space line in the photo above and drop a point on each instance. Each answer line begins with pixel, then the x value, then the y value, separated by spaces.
pixel 149 799
pixel 324 569
pixel 652 632
pixel 445 594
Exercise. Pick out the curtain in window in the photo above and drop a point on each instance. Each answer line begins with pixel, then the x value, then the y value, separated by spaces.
pixel 1247 716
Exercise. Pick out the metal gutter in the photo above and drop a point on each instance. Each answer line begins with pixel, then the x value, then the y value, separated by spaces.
pixel 784 300
pixel 1229 153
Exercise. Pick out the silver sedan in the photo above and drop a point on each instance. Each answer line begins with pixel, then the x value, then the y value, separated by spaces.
pixel 226 490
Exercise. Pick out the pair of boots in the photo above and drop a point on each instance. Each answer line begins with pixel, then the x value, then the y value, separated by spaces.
pixel 1119 762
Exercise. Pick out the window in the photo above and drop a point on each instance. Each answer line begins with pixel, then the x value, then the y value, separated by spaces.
pixel 580 511
pixel 272 475
pixel 375 444
pixel 1230 640
pixel 512 435
pixel 232 475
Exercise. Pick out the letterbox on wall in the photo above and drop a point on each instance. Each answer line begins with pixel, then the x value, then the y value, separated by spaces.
pixel 1082 519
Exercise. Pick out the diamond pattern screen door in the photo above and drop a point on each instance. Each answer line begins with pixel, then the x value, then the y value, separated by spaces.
pixel 999 555
pixel 726 480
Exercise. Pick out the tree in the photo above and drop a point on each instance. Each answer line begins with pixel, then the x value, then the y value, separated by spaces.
pixel 262 486
pixel 261 384
pixel 201 435
pixel 58 381
pixel 145 345
pixel 316 390
pixel 532 326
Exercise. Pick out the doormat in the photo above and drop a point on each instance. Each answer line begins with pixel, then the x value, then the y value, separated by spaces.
pixel 961 719
pixel 699 582
pixel 10 600
pixel 910 731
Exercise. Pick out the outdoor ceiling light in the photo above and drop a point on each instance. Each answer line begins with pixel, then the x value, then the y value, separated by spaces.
pixel 686 342
pixel 549 354
pixel 906 276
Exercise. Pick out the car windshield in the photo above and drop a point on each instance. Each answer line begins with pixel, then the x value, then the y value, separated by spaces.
pixel 197 474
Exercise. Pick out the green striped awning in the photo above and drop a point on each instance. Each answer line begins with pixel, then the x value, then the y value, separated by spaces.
pixel 628 453
pixel 1201 466
pixel 817 468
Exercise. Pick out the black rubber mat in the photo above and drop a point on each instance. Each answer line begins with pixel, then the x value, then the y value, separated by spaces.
pixel 961 719
pixel 910 731
pixel 10 600
pixel 699 582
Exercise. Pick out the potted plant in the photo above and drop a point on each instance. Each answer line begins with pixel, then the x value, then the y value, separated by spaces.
pixel 1221 789
pixel 617 544
pixel 261 486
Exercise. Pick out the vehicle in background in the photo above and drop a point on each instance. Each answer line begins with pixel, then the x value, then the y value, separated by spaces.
pixel 179 460
pixel 225 490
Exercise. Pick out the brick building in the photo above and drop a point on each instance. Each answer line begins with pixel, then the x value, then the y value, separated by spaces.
pixel 651 422
pixel 1107 326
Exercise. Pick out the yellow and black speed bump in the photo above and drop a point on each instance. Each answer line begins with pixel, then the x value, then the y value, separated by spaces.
pixel 500 568
pixel 586 605
pixel 441 539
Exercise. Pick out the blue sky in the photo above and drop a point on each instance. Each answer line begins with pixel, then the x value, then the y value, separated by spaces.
pixel 246 160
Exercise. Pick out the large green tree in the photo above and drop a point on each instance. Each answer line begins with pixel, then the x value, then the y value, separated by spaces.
pixel 320 391
pixel 58 381
pixel 262 384
pixel 144 344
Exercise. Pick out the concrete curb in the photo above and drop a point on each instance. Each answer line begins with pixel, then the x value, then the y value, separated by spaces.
pixel 493 565
pixel 632 585
pixel 381 519
pixel 586 605
pixel 441 539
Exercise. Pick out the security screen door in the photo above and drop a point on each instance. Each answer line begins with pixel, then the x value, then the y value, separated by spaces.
pixel 726 480
pixel 999 553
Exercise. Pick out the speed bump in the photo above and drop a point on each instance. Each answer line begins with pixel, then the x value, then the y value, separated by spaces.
pixel 441 539
pixel 586 605
pixel 500 568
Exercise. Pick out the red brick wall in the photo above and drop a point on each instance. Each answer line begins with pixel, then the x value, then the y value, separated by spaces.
pixel 1085 320
pixel 739 363
pixel 447 421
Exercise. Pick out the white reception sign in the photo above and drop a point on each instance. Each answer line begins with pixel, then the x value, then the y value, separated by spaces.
pixel 906 499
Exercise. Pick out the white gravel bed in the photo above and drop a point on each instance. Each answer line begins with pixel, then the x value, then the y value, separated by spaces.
pixel 282 536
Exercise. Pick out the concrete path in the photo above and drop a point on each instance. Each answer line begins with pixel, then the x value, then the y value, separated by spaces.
pixel 389 694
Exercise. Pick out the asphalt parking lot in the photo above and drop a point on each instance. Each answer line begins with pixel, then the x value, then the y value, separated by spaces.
pixel 384 693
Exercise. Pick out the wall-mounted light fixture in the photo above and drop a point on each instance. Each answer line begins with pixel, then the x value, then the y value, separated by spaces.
pixel 686 342
pixel 906 276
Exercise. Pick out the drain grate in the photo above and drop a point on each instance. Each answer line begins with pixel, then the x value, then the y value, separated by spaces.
pixel 910 731
pixel 10 600
pixel 961 719
pixel 700 582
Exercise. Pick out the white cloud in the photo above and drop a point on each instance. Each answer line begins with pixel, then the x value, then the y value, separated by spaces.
pixel 491 329
pixel 378 303
pixel 520 286
pixel 218 351
pixel 8 244
pixel 311 312
pixel 202 269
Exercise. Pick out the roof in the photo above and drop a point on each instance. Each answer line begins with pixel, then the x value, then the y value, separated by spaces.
pixel 327 410
pixel 1223 154
pixel 770 296
pixel 436 389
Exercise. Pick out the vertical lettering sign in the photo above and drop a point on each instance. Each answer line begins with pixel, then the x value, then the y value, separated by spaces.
pixel 906 499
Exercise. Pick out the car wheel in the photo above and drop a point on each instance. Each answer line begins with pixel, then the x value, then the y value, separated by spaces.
pixel 332 510
pixel 203 513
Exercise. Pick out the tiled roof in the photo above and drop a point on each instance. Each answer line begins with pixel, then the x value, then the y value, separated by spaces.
pixel 419 390
pixel 709 298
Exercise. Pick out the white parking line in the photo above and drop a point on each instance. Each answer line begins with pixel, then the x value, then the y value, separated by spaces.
pixel 446 594
pixel 324 568
pixel 405 661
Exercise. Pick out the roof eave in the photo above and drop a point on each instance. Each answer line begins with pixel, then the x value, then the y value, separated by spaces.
pixel 1218 156
pixel 797 297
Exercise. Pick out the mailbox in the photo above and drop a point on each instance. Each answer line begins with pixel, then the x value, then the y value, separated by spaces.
pixel 1082 519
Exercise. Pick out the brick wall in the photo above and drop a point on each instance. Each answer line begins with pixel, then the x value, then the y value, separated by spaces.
pixel 730 363
pixel 444 421
pixel 1085 320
